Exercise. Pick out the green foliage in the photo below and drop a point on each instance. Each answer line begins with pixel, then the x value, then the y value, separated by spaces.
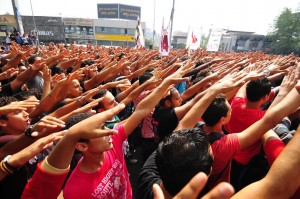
pixel 285 38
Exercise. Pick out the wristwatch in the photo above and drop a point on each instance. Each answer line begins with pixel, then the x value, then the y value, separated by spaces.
pixel 266 72
pixel 28 131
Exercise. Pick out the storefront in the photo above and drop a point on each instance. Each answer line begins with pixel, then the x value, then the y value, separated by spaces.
pixel 7 23
pixel 48 29
pixel 79 30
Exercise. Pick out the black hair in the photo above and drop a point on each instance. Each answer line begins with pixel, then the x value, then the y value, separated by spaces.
pixel 162 102
pixel 86 62
pixel 56 70
pixel 215 111
pixel 76 119
pixel 181 156
pixel 144 77
pixel 24 95
pixel 256 89
pixel 31 59
pixel 100 94
pixel 5 100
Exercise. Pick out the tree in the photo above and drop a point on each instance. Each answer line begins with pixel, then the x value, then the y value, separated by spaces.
pixel 285 38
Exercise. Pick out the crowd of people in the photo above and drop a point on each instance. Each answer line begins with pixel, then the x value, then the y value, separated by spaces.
pixel 27 38
pixel 211 124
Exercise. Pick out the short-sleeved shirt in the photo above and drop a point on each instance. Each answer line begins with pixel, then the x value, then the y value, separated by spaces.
pixel 224 150
pixel 109 182
pixel 6 90
pixel 167 121
pixel 241 119
pixel 148 176
pixel 147 126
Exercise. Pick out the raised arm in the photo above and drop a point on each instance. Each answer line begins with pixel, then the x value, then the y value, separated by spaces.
pixel 273 116
pixel 147 105
pixel 194 114
pixel 282 180
pixel 56 165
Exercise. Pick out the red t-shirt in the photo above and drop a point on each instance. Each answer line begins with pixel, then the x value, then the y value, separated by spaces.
pixel 272 149
pixel 110 181
pixel 242 118
pixel 44 185
pixel 224 150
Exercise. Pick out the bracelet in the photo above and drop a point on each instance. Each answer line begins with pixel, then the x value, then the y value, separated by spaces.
pixel 79 102
pixel 4 169
pixel 9 166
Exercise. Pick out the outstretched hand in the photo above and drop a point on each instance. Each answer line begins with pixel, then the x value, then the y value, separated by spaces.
pixel 92 127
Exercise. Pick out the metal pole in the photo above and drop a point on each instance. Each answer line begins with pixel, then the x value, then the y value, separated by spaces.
pixel 171 19
pixel 35 30
pixel 154 24
pixel 18 18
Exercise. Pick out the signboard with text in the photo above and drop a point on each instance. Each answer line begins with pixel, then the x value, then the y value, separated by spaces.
pixel 118 11
pixel 115 37
pixel 214 40
pixel 47 28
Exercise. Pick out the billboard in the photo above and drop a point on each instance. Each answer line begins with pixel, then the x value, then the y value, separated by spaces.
pixel 78 28
pixel 8 20
pixel 118 11
pixel 48 28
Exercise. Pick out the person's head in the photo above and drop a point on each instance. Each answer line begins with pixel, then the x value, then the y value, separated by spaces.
pixel 171 100
pixel 108 101
pixel 34 58
pixel 75 90
pixel 218 111
pixel 181 156
pixel 13 123
pixel 57 70
pixel 97 145
pixel 144 77
pixel 31 94
pixel 126 70
pixel 258 89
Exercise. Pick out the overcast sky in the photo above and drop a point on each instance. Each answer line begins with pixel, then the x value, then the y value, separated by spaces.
pixel 244 15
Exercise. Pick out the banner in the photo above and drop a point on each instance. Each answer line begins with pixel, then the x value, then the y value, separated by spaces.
pixel 139 37
pixel 164 47
pixel 214 40
pixel 193 39
pixel 118 11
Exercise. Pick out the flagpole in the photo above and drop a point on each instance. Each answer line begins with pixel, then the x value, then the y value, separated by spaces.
pixel 35 30
pixel 171 20
pixel 154 24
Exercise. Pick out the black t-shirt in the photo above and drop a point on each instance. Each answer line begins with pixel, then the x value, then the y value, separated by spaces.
pixel 166 120
pixel 6 90
pixel 147 177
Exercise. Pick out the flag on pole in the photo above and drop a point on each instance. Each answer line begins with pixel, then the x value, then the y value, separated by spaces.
pixel 193 39
pixel 139 37
pixel 164 47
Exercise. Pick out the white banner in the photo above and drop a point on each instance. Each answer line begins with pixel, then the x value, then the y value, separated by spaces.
pixel 214 40
pixel 193 39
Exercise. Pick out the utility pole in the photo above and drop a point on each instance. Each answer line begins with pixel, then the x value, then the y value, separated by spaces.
pixel 171 20
pixel 18 18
